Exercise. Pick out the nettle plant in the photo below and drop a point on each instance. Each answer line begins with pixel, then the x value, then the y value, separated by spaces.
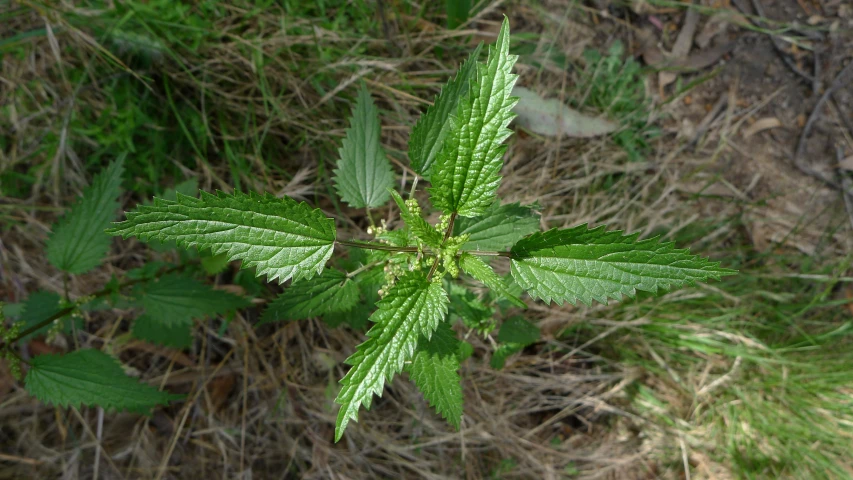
pixel 409 277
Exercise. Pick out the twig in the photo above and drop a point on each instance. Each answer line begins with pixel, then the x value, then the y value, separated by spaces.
pixel 801 145
pixel 846 185
pixel 99 434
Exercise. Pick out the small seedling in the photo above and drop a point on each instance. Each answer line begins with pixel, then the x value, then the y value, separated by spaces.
pixel 411 273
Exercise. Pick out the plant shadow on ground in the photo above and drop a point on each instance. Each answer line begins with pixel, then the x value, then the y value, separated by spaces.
pixel 743 378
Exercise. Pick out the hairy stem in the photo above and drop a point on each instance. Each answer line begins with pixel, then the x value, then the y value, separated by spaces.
pixel 414 186
pixel 376 246
pixel 447 235
pixel 363 268
pixel 369 217
pixel 488 253
pixel 101 293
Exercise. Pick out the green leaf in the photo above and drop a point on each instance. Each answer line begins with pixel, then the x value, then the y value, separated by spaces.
pixel 499 227
pixel 466 176
pixel 435 370
pixel 214 264
pixel 10 310
pixel 77 243
pixel 364 173
pixel 475 314
pixel 171 304
pixel 515 334
pixel 331 292
pixel 412 308
pixel 503 352
pixel 356 317
pixel 280 237
pixel 369 282
pixel 169 334
pixel 40 306
pixel 593 264
pixel 187 187
pixel 429 134
pixel 90 377
pixel 518 330
pixel 419 227
pixel 478 269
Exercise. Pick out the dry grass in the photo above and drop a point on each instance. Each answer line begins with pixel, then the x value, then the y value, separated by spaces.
pixel 260 401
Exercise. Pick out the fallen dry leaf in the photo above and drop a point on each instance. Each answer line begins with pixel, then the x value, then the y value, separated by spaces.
pixel 765 123
pixel 681 49
pixel 654 57
pixel 685 37
pixel 846 164
pixel 219 389
pixel 552 118
pixel 235 289
pixel 717 24
pixel 39 347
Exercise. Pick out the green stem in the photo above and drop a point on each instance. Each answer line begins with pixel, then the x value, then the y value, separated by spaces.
pixel 488 254
pixel 447 235
pixel 363 268
pixel 65 311
pixel 369 217
pixel 414 186
pixel 376 246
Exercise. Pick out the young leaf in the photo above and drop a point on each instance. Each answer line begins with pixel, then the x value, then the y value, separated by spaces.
pixel 90 377
pixel 364 174
pixel 172 303
pixel 481 271
pixel 593 264
pixel 435 370
pixel 515 334
pixel 280 237
pixel 77 243
pixel 429 133
pixel 419 227
pixel 499 227
pixel 412 308
pixel 466 176
pixel 331 292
